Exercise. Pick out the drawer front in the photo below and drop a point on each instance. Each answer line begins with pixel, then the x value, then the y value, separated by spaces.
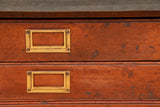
pixel 88 81
pixel 106 40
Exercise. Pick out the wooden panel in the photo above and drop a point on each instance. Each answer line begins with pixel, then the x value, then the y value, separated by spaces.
pixel 81 105
pixel 48 39
pixel 98 81
pixel 49 80
pixel 90 41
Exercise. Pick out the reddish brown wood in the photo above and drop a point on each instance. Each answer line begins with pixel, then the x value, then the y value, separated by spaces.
pixel 81 105
pixel 89 14
pixel 95 36
pixel 49 80
pixel 109 81
pixel 118 102
pixel 90 41
pixel 47 39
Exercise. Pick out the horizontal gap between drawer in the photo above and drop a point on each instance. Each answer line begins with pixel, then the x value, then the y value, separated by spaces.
pixel 81 18
pixel 87 21
pixel 78 102
pixel 80 63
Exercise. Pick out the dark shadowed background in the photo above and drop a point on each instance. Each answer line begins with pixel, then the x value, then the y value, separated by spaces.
pixel 78 5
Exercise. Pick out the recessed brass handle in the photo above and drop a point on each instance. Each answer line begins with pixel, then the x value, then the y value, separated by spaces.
pixel 34 89
pixel 30 48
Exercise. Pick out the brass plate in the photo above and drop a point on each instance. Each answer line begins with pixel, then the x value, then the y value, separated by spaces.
pixel 32 89
pixel 47 49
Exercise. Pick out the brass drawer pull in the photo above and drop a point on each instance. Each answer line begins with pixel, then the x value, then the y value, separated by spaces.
pixel 65 48
pixel 31 88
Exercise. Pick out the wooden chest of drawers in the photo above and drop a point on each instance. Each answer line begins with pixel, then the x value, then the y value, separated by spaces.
pixel 80 59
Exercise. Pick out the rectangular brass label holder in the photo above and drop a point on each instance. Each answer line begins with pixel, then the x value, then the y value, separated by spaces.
pixel 30 48
pixel 32 89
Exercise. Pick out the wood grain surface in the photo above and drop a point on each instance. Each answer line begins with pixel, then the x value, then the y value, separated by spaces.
pixel 127 40
pixel 81 105
pixel 89 82
pixel 97 40
pixel 48 80
pixel 48 39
